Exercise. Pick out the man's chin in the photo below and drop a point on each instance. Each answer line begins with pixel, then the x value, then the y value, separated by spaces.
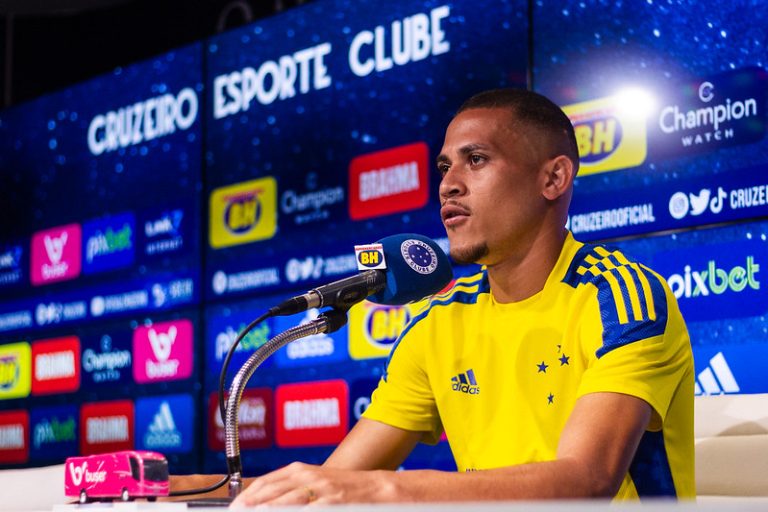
pixel 469 254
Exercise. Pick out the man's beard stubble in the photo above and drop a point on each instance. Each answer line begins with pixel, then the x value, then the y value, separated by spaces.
pixel 469 255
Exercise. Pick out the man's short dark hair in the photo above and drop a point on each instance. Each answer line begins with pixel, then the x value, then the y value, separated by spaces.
pixel 533 109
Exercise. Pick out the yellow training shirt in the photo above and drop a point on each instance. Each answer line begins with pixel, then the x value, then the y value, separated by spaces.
pixel 502 379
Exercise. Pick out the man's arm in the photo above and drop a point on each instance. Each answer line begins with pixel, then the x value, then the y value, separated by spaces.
pixel 596 448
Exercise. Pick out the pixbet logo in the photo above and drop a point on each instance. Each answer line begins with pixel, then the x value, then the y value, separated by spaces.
pixel 163 351
pixel 693 283
pixel 716 281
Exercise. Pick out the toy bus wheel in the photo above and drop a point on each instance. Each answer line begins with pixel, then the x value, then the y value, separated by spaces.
pixel 83 496
pixel 124 495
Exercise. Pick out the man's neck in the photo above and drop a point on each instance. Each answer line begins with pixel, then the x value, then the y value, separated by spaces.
pixel 525 273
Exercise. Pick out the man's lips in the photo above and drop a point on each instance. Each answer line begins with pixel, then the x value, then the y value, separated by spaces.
pixel 453 213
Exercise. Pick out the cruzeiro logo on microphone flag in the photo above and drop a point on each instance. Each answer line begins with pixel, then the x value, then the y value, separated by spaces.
pixel 419 256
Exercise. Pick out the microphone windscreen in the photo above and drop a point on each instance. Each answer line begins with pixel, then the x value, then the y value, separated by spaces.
pixel 416 268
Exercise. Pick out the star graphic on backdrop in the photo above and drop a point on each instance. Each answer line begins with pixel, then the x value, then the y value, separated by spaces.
pixel 550 398
pixel 564 360
pixel 558 348
pixel 542 367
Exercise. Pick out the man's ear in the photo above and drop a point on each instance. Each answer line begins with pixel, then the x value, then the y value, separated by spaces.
pixel 558 177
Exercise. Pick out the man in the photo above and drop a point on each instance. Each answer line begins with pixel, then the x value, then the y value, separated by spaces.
pixel 561 370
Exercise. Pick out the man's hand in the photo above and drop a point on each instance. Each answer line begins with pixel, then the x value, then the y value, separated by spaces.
pixel 302 484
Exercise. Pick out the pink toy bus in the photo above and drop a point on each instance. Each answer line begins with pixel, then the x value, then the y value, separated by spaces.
pixel 124 475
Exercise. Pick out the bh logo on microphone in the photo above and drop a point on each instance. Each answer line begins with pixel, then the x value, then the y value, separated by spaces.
pixel 370 257
pixel 419 256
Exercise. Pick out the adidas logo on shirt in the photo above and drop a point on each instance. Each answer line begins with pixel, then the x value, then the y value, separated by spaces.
pixel 717 378
pixel 465 383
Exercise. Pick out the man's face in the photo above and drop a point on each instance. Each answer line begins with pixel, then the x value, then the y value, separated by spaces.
pixel 491 188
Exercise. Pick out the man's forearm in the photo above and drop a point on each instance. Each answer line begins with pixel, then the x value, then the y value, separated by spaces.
pixel 564 478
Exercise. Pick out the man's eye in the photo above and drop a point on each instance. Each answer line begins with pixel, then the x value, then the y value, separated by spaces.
pixel 443 168
pixel 476 159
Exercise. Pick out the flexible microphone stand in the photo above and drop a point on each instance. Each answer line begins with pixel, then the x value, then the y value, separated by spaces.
pixel 329 321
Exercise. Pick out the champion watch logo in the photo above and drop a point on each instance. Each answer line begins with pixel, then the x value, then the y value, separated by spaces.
pixel 465 383
pixel 717 378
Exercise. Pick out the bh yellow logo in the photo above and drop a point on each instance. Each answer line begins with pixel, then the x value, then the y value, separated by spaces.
pixel 374 328
pixel 610 135
pixel 243 212
pixel 15 370
pixel 370 258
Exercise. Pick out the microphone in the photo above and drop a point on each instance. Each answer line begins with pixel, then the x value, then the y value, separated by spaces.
pixel 401 269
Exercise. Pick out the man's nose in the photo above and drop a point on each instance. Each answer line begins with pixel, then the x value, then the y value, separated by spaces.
pixel 451 185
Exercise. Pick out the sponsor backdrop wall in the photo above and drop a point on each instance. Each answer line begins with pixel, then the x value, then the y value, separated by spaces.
pixel 151 214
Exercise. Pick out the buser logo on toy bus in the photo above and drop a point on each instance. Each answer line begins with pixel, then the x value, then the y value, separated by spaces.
pixel 243 212
pixel 609 136
pixel 373 328
pixel 15 370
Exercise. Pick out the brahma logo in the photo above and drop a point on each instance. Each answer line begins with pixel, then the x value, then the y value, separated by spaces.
pixel 312 413
pixel 14 432
pixel 56 254
pixel 243 212
pixel 163 351
pixel 390 181
pixel 374 329
pixel 15 370
pixel 165 423
pixel 254 420
pixel 109 243
pixel 716 281
pixel 610 136
pixel 56 365
pixel 106 426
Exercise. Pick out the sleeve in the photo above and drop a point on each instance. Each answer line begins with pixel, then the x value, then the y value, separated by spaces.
pixel 635 341
pixel 404 397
